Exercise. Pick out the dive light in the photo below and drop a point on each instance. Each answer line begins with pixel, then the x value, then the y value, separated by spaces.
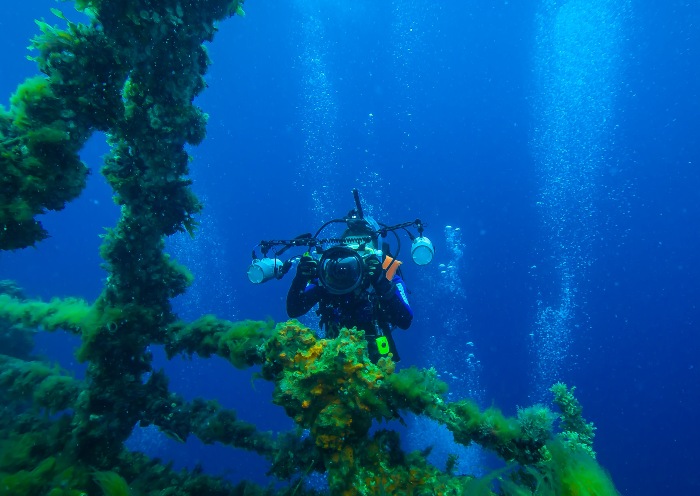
pixel 264 269
pixel 422 250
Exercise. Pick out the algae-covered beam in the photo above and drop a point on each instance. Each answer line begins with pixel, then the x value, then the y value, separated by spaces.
pixel 85 68
pixel 16 340
pixel 207 420
pixel 147 168
pixel 46 387
pixel 132 72
pixel 329 387
pixel 241 343
pixel 50 118
pixel 70 314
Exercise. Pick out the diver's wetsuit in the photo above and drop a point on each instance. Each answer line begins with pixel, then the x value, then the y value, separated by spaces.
pixel 364 310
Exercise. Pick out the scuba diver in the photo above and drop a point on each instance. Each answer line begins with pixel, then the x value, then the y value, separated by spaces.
pixel 375 301
pixel 354 282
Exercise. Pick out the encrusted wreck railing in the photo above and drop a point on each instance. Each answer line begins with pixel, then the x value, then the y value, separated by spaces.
pixel 133 73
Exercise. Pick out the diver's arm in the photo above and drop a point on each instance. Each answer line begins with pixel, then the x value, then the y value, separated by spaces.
pixel 393 302
pixel 301 297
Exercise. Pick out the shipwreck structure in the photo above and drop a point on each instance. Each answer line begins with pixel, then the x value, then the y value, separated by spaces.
pixel 132 72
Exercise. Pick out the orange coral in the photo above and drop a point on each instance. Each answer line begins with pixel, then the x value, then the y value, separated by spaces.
pixel 350 368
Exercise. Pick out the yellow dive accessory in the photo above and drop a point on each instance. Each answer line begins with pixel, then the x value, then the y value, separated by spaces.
pixel 382 345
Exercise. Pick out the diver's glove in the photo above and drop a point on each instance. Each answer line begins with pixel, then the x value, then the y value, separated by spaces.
pixel 307 268
pixel 377 277
pixel 375 271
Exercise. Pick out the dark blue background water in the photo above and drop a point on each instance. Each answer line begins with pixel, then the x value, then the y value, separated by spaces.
pixel 470 87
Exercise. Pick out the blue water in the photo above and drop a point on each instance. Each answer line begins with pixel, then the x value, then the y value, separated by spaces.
pixel 552 148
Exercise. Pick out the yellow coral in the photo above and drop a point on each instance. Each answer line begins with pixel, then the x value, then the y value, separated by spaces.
pixel 350 368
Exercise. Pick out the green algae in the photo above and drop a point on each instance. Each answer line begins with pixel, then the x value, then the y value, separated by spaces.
pixel 111 483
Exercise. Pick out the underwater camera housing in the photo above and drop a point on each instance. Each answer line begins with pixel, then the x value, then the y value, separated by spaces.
pixel 342 262
pixel 343 268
